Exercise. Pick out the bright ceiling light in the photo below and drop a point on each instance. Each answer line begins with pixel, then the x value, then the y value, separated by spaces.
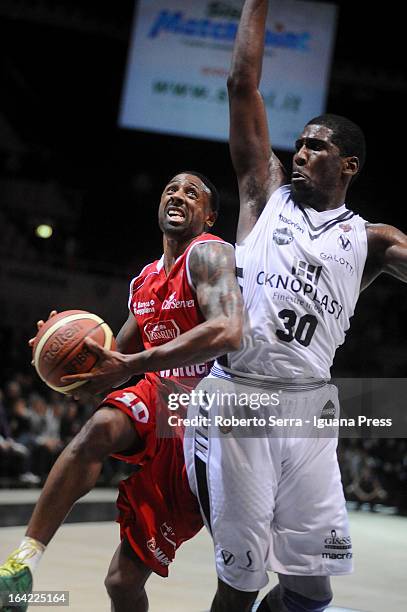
pixel 44 231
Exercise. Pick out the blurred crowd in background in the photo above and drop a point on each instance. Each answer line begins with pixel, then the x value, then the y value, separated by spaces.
pixel 37 423
pixel 35 426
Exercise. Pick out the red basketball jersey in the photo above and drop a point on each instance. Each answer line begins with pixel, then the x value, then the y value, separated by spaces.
pixel 166 307
pixel 157 508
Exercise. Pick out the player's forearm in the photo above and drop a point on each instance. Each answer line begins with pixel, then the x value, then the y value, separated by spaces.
pixel 248 49
pixel 198 345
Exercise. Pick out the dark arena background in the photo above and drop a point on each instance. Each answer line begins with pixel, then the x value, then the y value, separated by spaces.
pixel 65 163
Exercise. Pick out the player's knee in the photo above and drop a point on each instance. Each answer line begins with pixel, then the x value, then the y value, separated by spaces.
pixel 96 437
pixel 294 602
pixel 112 584
pixel 227 599
pixel 317 599
pixel 316 588
pixel 118 584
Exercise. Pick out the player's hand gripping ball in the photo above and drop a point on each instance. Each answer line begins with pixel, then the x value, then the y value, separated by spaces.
pixel 59 350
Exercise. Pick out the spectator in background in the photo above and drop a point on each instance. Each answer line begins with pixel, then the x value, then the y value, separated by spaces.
pixel 366 488
pixel 37 429
pixel 14 457
pixel 12 394
pixel 71 422
pixel 46 423
pixel 21 423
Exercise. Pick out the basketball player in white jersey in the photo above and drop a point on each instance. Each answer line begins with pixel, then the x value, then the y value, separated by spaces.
pixel 302 257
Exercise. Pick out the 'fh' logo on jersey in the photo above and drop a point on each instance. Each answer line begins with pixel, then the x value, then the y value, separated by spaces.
pixel 306 270
pixel 344 242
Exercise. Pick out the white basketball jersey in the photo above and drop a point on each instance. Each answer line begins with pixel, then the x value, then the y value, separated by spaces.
pixel 300 272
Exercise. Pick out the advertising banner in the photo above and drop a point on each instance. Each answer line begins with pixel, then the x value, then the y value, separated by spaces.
pixel 180 56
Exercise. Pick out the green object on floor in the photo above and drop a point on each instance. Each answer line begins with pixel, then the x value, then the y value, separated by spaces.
pixel 15 580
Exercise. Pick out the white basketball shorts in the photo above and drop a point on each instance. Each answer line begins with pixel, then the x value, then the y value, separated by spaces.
pixel 268 480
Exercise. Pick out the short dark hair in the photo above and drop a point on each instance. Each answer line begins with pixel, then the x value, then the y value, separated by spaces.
pixel 347 135
pixel 215 199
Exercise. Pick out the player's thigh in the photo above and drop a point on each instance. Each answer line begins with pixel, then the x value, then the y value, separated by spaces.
pixel 242 481
pixel 310 489
pixel 235 475
pixel 310 531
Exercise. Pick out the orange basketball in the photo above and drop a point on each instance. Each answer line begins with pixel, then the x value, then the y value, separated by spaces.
pixel 59 349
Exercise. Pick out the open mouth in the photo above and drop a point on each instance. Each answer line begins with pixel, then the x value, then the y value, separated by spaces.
pixel 175 214
pixel 297 177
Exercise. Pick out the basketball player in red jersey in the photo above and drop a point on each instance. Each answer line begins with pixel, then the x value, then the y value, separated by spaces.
pixel 185 310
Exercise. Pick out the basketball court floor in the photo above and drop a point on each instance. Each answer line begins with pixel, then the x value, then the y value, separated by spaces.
pixel 77 559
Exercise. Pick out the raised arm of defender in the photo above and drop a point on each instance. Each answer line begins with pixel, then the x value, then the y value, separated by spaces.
pixel 212 268
pixel 387 253
pixel 259 171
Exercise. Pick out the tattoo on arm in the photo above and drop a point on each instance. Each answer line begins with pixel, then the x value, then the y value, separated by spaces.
pixel 212 267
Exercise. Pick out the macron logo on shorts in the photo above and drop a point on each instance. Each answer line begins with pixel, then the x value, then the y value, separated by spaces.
pixel 139 410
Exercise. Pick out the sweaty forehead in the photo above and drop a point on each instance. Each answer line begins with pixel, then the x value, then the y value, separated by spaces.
pixel 189 179
pixel 320 132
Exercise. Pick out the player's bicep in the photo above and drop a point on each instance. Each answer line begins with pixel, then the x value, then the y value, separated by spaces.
pixel 396 260
pixel 212 267
pixel 129 339
pixel 388 246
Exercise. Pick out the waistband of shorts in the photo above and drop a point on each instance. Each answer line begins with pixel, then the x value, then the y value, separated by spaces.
pixel 267 382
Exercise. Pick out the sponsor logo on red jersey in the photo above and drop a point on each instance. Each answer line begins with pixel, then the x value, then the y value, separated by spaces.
pixel 161 332
pixel 172 303
pixel 143 308
pixel 199 370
